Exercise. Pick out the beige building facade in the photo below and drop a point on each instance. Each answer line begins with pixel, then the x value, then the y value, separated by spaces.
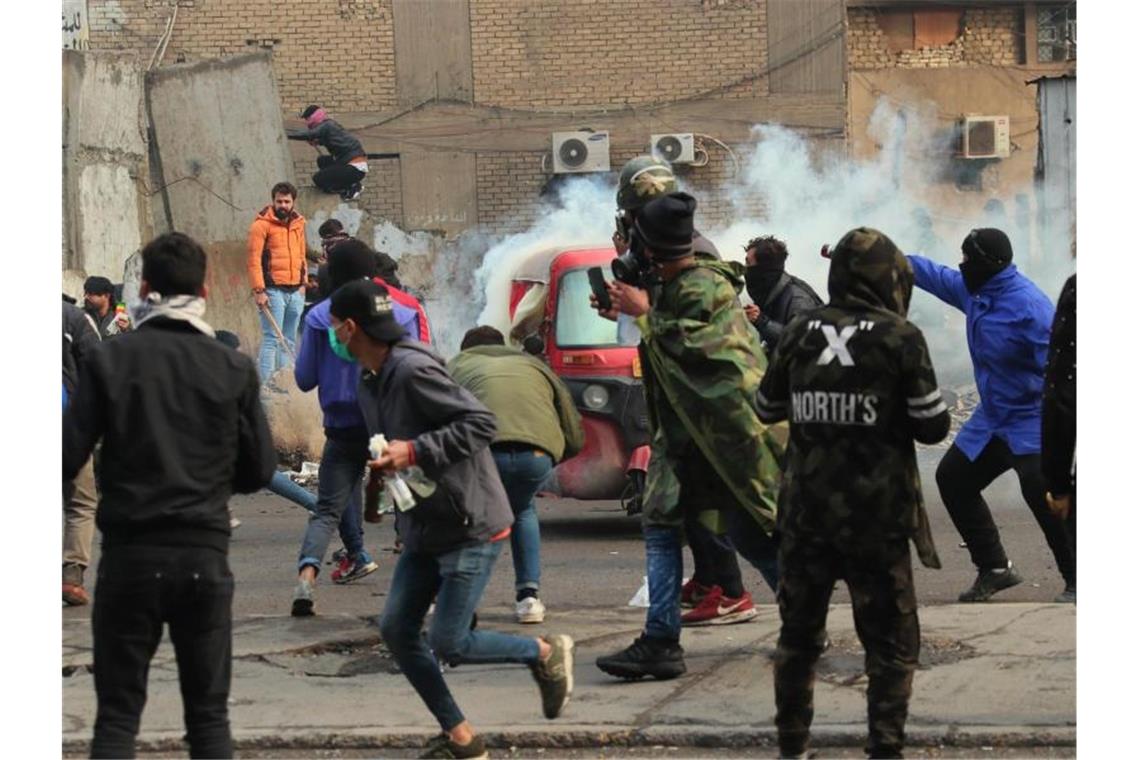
pixel 469 92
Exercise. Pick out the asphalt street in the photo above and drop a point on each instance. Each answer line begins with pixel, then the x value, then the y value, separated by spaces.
pixel 592 557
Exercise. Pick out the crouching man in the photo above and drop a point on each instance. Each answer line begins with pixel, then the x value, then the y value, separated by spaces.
pixel 453 534
pixel 854 379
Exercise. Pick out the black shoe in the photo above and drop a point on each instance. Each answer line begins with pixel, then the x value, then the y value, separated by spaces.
pixel 1068 596
pixel 442 747
pixel 989 582
pixel 353 192
pixel 645 657
pixel 555 675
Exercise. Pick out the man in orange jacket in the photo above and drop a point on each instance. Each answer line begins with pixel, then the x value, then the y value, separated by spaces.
pixel 276 264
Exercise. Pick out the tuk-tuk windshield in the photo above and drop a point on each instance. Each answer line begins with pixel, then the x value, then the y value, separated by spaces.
pixel 576 323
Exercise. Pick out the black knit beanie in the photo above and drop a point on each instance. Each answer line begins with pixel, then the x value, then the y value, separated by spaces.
pixel 665 225
pixel 351 260
pixel 990 244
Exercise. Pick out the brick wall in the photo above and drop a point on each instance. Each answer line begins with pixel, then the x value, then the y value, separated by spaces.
pixel 527 54
pixel 509 186
pixel 990 36
pixel 338 53
pixel 561 54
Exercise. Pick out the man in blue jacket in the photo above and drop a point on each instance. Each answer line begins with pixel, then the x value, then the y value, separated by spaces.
pixel 1007 332
pixel 327 366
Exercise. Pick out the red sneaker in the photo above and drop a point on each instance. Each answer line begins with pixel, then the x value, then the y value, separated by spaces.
pixel 74 595
pixel 692 593
pixel 718 609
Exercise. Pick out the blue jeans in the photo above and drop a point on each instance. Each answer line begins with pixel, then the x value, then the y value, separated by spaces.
pixel 522 471
pixel 286 309
pixel 663 566
pixel 338 501
pixel 455 581
pixel 282 485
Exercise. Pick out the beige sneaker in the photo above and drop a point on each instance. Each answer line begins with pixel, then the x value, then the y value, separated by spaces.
pixel 555 675
pixel 530 610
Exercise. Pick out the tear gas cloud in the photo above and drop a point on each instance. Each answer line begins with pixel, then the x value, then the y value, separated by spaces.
pixel 808 197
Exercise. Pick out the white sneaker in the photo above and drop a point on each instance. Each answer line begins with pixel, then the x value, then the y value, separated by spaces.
pixel 530 610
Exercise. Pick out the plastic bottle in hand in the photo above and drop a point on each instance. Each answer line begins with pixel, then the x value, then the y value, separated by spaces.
pixel 397 488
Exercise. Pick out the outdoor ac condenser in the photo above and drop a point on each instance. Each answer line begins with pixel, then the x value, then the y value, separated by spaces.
pixel 985 137
pixel 579 152
pixel 676 148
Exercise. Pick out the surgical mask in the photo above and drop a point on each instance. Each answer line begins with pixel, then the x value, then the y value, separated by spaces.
pixel 338 348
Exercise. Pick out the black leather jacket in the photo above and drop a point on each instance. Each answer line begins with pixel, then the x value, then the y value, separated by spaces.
pixel 788 298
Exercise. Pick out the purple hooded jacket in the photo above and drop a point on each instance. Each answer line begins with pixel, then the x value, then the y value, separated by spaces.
pixel 334 378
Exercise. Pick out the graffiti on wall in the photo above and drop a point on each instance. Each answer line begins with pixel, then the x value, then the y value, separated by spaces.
pixel 75 30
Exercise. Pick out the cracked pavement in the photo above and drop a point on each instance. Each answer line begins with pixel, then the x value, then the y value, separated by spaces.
pixel 989 674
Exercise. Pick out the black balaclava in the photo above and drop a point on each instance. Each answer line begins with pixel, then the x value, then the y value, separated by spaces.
pixel 762 276
pixel 987 251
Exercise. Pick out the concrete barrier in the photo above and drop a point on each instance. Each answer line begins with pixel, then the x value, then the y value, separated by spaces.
pixel 106 208
pixel 229 304
pixel 220 143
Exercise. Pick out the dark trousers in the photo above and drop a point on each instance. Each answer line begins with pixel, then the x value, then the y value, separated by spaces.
pixel 714 557
pixel 884 607
pixel 332 177
pixel 140 588
pixel 960 483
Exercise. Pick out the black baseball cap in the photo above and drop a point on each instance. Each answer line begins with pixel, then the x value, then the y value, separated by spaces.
pixel 98 286
pixel 367 304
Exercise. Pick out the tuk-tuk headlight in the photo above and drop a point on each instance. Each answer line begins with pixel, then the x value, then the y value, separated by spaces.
pixel 595 396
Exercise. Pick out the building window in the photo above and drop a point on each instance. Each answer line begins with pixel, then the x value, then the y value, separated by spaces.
pixel 1057 33
pixel 913 29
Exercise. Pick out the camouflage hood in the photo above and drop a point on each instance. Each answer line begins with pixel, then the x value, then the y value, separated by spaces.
pixel 733 271
pixel 868 269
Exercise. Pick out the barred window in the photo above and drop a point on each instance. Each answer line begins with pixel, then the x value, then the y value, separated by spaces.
pixel 1057 33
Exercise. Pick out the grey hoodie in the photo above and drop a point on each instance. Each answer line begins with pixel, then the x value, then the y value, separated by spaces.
pixel 413 398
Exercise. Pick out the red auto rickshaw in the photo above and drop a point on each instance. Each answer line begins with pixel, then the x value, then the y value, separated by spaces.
pixel 551 315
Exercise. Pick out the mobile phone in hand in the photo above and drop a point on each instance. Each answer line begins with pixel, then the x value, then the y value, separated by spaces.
pixel 598 285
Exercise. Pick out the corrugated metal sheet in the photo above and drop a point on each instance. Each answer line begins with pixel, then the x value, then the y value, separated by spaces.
pixel 1057 153
pixel 805 46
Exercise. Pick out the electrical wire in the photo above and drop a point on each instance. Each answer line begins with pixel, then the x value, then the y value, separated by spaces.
pixel 730 151
pixel 204 186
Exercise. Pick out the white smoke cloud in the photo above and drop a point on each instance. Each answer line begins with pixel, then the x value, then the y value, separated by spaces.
pixel 811 194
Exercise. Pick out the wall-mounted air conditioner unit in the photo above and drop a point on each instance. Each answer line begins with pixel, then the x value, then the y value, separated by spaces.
pixel 985 137
pixel 578 152
pixel 676 148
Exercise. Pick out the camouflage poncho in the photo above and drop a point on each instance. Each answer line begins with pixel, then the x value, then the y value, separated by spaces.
pixel 703 363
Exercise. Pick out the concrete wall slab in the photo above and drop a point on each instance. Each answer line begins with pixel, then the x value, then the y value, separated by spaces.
pixel 105 204
pixel 220 143
pixel 108 204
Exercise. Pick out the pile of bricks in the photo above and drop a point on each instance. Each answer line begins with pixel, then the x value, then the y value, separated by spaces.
pixel 866 43
pixel 994 36
pixel 991 36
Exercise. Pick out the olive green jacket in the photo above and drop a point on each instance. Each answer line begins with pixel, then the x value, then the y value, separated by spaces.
pixel 530 403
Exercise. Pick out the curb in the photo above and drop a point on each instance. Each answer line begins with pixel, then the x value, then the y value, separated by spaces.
pixel 589 738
